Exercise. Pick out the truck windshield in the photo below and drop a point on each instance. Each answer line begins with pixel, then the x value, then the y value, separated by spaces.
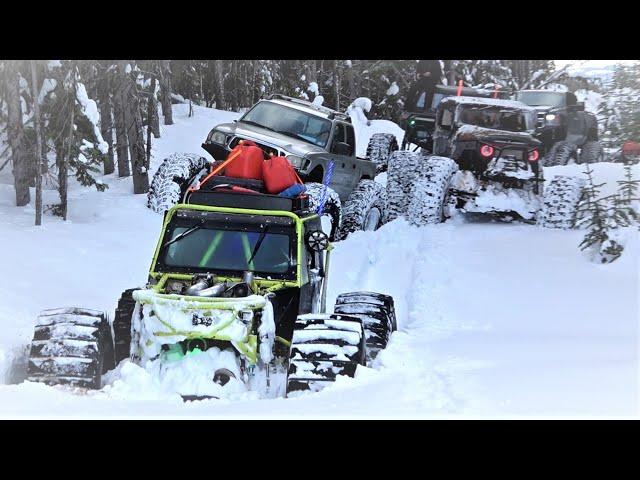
pixel 215 250
pixel 289 121
pixel 537 99
pixel 497 118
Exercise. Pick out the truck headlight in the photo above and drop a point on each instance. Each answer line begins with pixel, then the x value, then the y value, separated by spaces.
pixel 550 117
pixel 295 161
pixel 218 137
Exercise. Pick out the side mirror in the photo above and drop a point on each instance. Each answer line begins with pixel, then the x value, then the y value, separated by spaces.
pixel 317 240
pixel 342 148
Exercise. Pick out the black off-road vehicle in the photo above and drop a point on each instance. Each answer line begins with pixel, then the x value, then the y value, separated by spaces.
pixel 566 130
pixel 485 160
pixel 418 121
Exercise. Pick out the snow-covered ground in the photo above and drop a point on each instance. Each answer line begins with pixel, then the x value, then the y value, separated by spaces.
pixel 494 319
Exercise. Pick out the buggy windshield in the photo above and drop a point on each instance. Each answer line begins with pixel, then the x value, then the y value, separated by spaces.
pixel 289 121
pixel 498 118
pixel 214 250
pixel 537 99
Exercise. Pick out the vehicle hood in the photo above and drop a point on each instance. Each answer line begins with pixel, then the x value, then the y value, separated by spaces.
pixel 263 135
pixel 472 132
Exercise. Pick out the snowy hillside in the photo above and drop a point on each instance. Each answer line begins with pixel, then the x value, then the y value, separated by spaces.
pixel 493 319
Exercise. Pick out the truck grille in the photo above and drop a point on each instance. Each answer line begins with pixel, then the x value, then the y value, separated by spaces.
pixel 510 152
pixel 540 122
pixel 266 148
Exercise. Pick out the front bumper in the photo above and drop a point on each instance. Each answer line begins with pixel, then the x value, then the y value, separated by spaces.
pixel 165 319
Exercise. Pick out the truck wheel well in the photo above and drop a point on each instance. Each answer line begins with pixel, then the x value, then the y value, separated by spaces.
pixel 316 175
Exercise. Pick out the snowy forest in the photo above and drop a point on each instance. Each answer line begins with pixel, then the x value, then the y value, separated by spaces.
pixel 99 116
pixel 508 290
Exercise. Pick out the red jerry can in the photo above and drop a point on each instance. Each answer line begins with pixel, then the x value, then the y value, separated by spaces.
pixel 248 164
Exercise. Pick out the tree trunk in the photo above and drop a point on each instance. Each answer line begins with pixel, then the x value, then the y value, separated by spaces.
pixel 220 103
pixel 165 91
pixel 106 124
pixel 122 143
pixel 15 134
pixel 336 82
pixel 65 158
pixel 38 156
pixel 351 81
pixel 154 120
pixel 133 121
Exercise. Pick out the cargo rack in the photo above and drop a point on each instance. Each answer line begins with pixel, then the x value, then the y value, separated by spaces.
pixel 215 193
pixel 330 112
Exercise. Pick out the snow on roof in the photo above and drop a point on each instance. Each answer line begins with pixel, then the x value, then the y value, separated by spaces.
pixel 489 101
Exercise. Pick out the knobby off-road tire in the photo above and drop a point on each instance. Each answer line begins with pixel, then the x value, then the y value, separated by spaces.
pixel 560 154
pixel 404 167
pixel 324 346
pixel 122 325
pixel 378 316
pixel 430 194
pixel 364 209
pixel 380 147
pixel 173 177
pixel 71 346
pixel 591 152
pixel 560 202
pixel 332 205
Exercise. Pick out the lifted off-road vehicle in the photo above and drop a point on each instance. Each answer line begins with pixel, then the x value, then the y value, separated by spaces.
pixel 318 142
pixel 234 302
pixel 566 130
pixel 485 160
pixel 419 120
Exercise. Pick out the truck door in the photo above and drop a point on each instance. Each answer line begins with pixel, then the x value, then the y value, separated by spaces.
pixel 444 129
pixel 344 157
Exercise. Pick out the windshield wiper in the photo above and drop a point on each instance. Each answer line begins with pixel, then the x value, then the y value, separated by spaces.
pixel 189 231
pixel 258 244
pixel 250 122
pixel 294 135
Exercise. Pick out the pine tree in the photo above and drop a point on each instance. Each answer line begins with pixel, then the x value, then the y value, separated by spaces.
pixel 628 188
pixel 602 217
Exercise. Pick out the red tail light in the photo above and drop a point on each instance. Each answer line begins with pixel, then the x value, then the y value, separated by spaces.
pixel 486 151
pixel 534 155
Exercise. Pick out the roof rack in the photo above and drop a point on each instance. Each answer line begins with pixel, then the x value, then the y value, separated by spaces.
pixel 330 112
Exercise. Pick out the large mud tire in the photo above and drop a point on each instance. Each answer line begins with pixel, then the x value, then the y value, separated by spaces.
pixel 174 175
pixel 560 154
pixel 122 325
pixel 332 206
pixel 71 346
pixel 430 196
pixel 378 315
pixel 591 152
pixel 380 147
pixel 562 196
pixel 364 209
pixel 323 347
pixel 402 171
